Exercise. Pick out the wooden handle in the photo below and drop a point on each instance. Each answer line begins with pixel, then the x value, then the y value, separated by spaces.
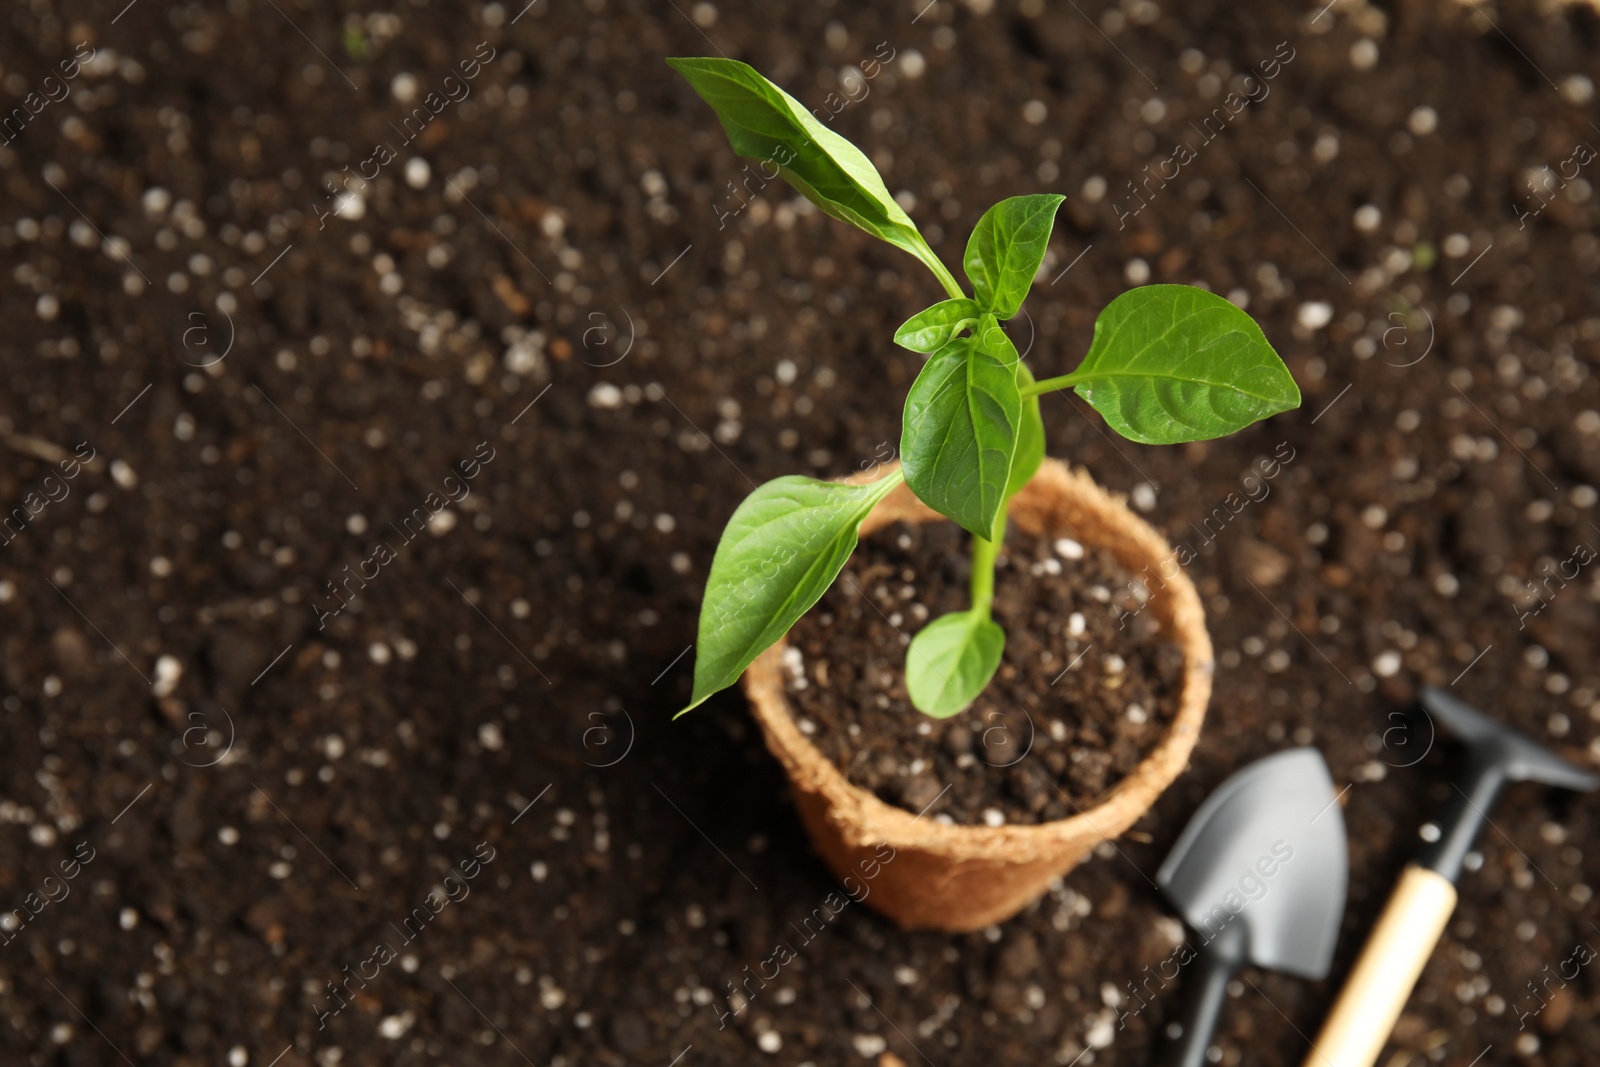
pixel 1389 967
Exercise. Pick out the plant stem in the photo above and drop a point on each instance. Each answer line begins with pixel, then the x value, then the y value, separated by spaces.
pixel 930 260
pixel 1050 385
pixel 984 554
pixel 946 279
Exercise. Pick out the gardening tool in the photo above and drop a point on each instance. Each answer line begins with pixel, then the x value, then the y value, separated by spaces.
pixel 1415 916
pixel 1259 874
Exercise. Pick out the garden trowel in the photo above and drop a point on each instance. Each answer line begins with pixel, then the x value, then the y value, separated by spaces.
pixel 1259 874
pixel 1415 917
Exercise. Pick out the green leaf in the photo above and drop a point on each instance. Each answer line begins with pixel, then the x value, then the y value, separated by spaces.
pixel 1172 363
pixel 779 553
pixel 951 660
pixel 765 123
pixel 960 432
pixel 1030 429
pixel 1030 437
pixel 932 328
pixel 1006 248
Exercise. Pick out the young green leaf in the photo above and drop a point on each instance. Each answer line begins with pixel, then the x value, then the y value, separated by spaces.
pixel 1030 430
pixel 779 553
pixel 951 660
pixel 1006 248
pixel 931 328
pixel 1172 363
pixel 765 123
pixel 960 432
pixel 1030 436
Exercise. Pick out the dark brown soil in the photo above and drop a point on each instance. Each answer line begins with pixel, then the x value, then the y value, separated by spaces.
pixel 1447 454
pixel 1078 701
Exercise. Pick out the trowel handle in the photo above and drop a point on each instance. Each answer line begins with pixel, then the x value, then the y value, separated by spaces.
pixel 1389 967
pixel 1205 991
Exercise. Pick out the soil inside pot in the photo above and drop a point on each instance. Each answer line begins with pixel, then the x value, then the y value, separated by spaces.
pixel 1079 700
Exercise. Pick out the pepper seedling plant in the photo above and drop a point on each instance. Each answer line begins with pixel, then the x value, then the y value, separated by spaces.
pixel 1167 364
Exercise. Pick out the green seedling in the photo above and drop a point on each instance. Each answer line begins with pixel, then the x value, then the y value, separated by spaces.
pixel 1167 364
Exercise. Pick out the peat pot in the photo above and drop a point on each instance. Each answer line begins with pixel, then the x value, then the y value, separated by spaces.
pixel 960 878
